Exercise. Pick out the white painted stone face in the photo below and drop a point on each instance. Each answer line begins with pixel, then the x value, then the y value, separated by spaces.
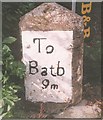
pixel 48 59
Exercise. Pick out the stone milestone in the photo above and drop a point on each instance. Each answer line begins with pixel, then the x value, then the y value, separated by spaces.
pixel 52 45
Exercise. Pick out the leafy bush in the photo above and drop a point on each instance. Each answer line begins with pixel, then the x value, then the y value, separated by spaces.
pixel 10 69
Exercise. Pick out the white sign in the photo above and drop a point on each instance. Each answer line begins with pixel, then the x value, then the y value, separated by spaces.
pixel 48 59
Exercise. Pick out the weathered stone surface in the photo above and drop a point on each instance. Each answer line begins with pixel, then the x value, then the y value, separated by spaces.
pixel 47 18
pixel 81 110
pixel 50 17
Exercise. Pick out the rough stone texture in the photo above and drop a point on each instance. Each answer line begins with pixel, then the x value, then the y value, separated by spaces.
pixel 53 17
pixel 50 17
pixel 82 110
pixel 77 69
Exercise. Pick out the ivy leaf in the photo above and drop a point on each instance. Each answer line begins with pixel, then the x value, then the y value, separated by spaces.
pixel 9 102
pixel 9 40
pixel 6 49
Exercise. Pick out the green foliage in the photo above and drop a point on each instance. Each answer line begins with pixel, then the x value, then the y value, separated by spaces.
pixel 9 40
pixel 10 68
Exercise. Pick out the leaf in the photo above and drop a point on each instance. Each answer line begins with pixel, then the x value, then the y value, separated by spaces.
pixel 1 62
pixel 9 102
pixel 6 48
pixel 9 40
pixel 2 115
pixel 1 75
pixel 1 103
pixel 1 110
pixel 8 108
